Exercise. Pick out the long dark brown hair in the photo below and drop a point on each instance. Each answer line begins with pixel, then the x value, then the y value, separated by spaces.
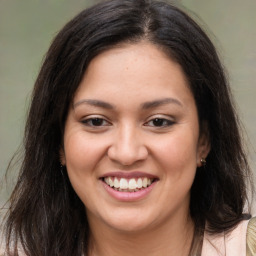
pixel 46 217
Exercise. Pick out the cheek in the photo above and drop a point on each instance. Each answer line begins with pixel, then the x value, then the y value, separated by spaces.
pixel 82 151
pixel 82 155
pixel 178 154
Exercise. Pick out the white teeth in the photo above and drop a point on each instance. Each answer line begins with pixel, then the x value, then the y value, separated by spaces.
pixel 116 183
pixel 144 182
pixel 128 185
pixel 139 183
pixel 123 183
pixel 111 182
pixel 132 184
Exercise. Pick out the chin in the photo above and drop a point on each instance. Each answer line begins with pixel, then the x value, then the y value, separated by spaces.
pixel 130 221
pixel 128 226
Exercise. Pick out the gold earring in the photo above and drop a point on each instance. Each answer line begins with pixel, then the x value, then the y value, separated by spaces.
pixel 203 161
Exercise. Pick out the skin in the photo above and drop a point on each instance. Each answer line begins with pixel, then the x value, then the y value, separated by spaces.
pixel 127 138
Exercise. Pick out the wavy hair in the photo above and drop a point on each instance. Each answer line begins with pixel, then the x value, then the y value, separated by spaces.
pixel 46 217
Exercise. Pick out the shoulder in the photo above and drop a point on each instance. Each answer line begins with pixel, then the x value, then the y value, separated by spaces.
pixel 1 252
pixel 251 238
pixel 229 244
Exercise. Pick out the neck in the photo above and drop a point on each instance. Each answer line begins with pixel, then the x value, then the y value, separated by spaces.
pixel 174 238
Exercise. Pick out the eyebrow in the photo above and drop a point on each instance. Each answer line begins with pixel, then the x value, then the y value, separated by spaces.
pixel 145 105
pixel 96 103
pixel 160 102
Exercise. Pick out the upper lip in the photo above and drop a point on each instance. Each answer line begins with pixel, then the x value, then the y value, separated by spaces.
pixel 129 175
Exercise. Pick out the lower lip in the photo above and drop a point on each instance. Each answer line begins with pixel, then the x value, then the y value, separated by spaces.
pixel 129 196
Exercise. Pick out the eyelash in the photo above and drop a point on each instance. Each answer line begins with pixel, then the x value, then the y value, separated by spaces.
pixel 89 122
pixel 101 122
pixel 162 122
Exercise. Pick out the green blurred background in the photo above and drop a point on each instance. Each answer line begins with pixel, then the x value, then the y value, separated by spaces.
pixel 27 28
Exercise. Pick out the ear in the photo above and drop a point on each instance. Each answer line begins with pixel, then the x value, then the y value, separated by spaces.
pixel 62 156
pixel 204 144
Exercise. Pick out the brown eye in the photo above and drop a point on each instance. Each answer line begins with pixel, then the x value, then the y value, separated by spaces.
pixel 95 122
pixel 159 122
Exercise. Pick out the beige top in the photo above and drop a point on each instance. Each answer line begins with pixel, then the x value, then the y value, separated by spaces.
pixel 240 242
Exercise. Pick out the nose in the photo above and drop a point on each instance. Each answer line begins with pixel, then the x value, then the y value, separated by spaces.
pixel 128 146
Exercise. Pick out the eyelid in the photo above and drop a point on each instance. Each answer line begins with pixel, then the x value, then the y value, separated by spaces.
pixel 85 121
pixel 169 121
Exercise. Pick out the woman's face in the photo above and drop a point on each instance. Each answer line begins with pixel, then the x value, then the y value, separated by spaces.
pixel 131 141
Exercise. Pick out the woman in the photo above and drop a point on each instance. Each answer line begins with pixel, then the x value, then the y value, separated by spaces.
pixel 132 143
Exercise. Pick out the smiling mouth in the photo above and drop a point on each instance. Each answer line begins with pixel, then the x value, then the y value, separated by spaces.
pixel 128 185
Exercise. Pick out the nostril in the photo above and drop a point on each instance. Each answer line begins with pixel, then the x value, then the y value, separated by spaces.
pixel 127 154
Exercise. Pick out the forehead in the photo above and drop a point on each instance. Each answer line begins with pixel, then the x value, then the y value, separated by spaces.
pixel 139 71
